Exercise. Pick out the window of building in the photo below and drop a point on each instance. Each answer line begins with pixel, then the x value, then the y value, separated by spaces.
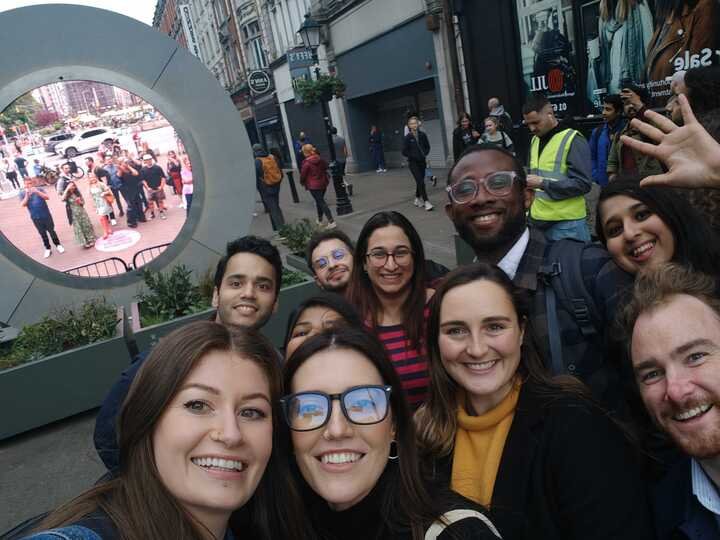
pixel 253 44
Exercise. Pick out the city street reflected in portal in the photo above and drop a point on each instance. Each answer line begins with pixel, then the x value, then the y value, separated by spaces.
pixel 94 181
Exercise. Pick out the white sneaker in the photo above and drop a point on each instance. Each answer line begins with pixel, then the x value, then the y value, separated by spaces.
pixel 379 171
pixel 113 222
pixel 418 202
pixel 428 206
pixel 47 253
pixel 331 225
pixel 60 248
pixel 384 170
pixel 318 222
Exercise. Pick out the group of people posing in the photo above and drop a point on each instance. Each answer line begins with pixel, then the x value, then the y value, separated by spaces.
pixel 551 388
pixel 141 185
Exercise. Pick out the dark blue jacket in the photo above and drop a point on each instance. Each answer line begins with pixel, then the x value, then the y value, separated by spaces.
pixel 600 143
pixel 105 436
pixel 678 514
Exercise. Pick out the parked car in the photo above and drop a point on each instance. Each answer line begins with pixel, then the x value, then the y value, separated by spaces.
pixel 54 140
pixel 87 140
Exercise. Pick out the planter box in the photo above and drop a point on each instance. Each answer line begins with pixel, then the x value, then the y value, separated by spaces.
pixel 62 385
pixel 297 261
pixel 146 338
pixel 290 297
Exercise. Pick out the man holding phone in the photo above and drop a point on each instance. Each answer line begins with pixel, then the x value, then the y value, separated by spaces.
pixel 623 160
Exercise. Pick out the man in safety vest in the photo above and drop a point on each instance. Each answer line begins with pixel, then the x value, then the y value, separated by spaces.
pixel 560 173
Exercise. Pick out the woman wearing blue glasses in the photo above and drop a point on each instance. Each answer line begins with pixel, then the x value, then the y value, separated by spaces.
pixel 353 445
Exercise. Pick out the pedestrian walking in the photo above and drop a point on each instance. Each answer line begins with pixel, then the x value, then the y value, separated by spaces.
pixel 314 177
pixel 103 199
pixel 494 135
pixel 376 149
pixel 341 155
pixel 63 181
pixel 110 165
pixel 7 167
pixel 464 135
pixel 174 169
pixel 130 188
pixel 153 179
pixel 21 164
pixel 35 200
pixel 416 147
pixel 82 226
pixel 268 176
pixel 301 141
pixel 187 184
pixel 37 168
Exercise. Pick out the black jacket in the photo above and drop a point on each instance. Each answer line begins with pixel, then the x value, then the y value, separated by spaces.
pixel 462 139
pixel 416 148
pixel 365 520
pixel 678 513
pixel 566 473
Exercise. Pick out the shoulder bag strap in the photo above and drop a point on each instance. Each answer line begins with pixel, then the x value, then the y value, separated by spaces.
pixel 453 516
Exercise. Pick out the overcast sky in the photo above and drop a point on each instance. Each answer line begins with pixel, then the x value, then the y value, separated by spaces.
pixel 142 10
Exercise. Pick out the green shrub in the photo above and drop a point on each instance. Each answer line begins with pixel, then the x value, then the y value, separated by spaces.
pixel 290 277
pixel 172 295
pixel 297 234
pixel 64 329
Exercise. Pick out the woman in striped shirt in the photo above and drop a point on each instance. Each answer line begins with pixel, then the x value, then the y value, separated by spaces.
pixel 389 291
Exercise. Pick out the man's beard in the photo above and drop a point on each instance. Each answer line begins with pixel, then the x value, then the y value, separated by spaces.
pixel 510 232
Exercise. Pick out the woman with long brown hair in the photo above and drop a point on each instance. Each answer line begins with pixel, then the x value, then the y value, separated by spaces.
pixel 388 289
pixel 357 460
pixel 537 450
pixel 197 443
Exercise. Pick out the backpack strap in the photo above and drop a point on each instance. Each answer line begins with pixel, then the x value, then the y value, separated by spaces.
pixel 72 532
pixel 565 289
pixel 453 516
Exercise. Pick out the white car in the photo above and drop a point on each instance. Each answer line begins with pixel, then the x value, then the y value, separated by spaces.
pixel 87 140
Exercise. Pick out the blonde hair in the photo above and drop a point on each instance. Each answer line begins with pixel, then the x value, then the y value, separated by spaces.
pixel 308 150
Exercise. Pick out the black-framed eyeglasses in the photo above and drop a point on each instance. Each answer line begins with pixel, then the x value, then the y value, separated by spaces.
pixel 379 257
pixel 363 405
pixel 498 184
pixel 336 255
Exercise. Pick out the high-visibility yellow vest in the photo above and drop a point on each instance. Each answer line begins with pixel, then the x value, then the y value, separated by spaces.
pixel 552 164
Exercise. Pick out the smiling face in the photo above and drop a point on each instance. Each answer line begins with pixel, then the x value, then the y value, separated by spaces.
pixel 336 275
pixel 480 341
pixel 635 236
pixel 489 222
pixel 465 122
pixel 391 278
pixel 341 461
pixel 247 295
pixel 490 127
pixel 213 441
pixel 677 368
pixel 311 321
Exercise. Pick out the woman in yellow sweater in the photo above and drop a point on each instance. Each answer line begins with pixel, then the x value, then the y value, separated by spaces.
pixel 536 451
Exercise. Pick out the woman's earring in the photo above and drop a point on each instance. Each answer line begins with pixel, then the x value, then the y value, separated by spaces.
pixel 396 455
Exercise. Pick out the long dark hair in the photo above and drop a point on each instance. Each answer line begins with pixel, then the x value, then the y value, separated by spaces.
pixel 405 502
pixel 436 420
pixel 361 292
pixel 696 244
pixel 136 500
pixel 330 301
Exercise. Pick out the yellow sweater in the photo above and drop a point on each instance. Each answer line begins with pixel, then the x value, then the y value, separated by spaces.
pixel 479 444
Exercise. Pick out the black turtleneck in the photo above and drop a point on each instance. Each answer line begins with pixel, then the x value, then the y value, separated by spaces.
pixel 549 135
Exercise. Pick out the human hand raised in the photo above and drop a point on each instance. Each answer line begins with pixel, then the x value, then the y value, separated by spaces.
pixel 689 151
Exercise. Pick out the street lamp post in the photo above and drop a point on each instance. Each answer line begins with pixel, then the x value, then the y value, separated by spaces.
pixel 310 34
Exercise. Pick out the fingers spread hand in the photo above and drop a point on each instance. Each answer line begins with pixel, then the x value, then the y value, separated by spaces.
pixel 651 132
pixel 661 121
pixel 640 146
pixel 687 112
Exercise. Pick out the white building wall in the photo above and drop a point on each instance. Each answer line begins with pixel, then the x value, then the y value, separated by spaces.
pixel 371 19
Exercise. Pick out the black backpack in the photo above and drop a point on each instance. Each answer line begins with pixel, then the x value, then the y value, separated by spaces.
pixel 562 273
